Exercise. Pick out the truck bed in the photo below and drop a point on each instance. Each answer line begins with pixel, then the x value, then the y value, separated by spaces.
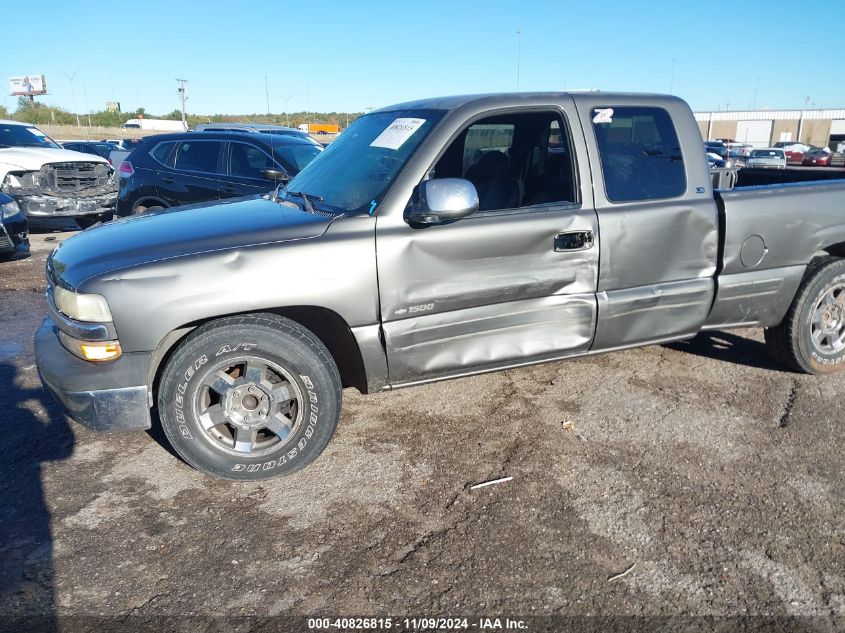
pixel 769 232
pixel 750 177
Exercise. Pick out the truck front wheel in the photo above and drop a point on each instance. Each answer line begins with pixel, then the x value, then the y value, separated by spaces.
pixel 811 337
pixel 250 397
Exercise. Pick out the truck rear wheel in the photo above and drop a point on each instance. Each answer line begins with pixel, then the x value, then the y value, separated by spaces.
pixel 250 397
pixel 811 337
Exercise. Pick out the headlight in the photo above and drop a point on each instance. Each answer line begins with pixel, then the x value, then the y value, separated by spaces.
pixel 21 184
pixel 9 209
pixel 90 308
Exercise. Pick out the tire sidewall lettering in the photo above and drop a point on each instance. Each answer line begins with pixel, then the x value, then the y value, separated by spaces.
pixel 184 416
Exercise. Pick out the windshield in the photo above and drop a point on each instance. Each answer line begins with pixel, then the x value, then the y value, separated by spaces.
pixel 766 153
pixel 294 158
pixel 24 136
pixel 355 171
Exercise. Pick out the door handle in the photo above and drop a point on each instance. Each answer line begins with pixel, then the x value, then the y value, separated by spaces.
pixel 228 189
pixel 167 179
pixel 574 241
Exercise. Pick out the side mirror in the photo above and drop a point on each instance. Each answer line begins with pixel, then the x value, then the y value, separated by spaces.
pixel 275 175
pixel 444 200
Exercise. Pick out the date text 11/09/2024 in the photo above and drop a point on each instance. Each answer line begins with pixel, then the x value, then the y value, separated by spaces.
pixel 417 624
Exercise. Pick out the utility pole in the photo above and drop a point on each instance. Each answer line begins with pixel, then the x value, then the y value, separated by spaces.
pixel 518 55
pixel 183 97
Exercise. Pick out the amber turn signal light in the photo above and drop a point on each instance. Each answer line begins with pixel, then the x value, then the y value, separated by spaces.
pixel 100 351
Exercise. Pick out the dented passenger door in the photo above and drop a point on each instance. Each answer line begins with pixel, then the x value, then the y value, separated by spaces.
pixel 511 284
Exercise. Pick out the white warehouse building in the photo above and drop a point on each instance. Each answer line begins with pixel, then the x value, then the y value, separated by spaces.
pixel 762 128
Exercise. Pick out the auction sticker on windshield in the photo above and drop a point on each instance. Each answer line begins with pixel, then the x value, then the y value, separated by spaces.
pixel 35 131
pixel 397 133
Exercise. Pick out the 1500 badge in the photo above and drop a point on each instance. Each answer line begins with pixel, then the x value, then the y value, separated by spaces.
pixel 423 307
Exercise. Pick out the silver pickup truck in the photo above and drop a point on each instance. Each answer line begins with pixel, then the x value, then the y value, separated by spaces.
pixel 432 240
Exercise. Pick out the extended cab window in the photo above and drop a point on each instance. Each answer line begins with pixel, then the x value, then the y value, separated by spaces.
pixel 198 156
pixel 514 160
pixel 640 153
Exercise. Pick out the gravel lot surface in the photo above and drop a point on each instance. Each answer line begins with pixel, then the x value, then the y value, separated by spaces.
pixel 715 474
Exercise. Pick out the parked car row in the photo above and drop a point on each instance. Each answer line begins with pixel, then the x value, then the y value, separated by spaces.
pixel 736 154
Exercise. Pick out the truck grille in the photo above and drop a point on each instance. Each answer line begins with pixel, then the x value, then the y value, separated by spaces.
pixel 64 178
pixel 5 241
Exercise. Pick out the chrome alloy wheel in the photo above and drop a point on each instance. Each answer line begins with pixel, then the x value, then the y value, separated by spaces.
pixel 249 406
pixel 828 321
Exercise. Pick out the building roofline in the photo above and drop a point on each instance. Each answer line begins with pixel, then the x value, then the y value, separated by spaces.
pixel 768 115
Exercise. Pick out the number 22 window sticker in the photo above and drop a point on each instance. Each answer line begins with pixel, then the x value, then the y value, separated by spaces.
pixel 603 115
pixel 397 133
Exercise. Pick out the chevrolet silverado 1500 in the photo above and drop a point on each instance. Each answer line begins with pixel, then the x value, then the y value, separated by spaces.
pixel 432 240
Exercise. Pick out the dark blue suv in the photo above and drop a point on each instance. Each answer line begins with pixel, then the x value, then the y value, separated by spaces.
pixel 169 170
pixel 14 232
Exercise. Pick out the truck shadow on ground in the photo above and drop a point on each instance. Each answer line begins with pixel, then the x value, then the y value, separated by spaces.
pixel 156 433
pixel 27 594
pixel 728 347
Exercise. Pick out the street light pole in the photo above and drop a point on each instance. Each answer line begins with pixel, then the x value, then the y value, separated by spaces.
pixel 672 78
pixel 267 94
pixel 70 78
pixel 286 99
pixel 518 55
pixel 181 90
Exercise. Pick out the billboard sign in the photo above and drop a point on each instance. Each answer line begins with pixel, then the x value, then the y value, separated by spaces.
pixel 28 85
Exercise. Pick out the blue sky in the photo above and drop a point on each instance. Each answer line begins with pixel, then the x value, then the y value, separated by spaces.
pixel 349 56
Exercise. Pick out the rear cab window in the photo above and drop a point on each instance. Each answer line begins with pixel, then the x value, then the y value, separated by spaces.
pixel 640 153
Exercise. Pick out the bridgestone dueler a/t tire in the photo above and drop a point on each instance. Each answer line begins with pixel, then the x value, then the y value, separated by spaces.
pixel 266 336
pixel 790 342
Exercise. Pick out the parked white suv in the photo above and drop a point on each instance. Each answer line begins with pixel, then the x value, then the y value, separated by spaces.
pixel 48 181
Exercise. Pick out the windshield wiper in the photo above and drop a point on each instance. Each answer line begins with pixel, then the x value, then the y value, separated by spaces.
pixel 280 187
pixel 306 199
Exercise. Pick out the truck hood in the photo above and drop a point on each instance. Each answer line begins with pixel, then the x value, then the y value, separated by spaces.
pixel 33 158
pixel 179 232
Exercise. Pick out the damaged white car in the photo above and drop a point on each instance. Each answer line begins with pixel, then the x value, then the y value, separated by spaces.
pixel 50 182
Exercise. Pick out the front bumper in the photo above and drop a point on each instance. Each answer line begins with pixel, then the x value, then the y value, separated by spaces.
pixel 110 396
pixel 59 207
